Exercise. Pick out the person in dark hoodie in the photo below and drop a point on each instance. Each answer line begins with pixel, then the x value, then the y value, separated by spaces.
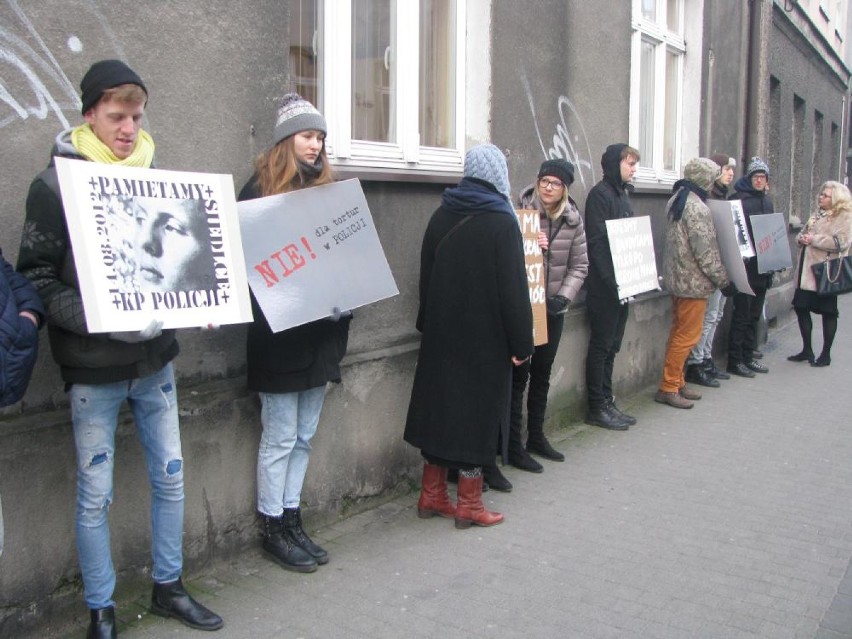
pixel 609 199
pixel 476 321
pixel 102 371
pixel 751 189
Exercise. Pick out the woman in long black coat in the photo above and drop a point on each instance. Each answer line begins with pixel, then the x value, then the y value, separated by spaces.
pixel 476 322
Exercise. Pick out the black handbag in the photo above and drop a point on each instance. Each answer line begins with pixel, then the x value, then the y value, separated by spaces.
pixel 834 277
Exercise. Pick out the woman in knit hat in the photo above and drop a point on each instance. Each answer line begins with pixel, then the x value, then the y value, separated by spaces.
pixel 476 321
pixel 827 234
pixel 290 369
pixel 563 242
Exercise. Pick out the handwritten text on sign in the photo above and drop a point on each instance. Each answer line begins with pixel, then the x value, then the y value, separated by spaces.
pixel 530 226
pixel 632 246
pixel 311 251
pixel 153 244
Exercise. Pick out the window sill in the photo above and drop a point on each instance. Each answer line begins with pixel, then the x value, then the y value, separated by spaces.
pixel 386 174
pixel 653 188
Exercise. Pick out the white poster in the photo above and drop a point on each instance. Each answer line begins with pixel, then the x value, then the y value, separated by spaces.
pixel 730 248
pixel 311 251
pixel 154 245
pixel 734 209
pixel 632 246
pixel 770 241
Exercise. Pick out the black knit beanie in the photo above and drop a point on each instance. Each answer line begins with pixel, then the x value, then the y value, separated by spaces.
pixel 104 75
pixel 559 168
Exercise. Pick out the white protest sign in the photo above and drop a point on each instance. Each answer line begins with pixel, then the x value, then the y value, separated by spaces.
pixel 313 250
pixel 530 222
pixel 632 246
pixel 152 244
pixel 770 242
pixel 734 208
pixel 727 232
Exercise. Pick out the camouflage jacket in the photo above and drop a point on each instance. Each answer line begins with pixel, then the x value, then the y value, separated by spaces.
pixel 692 266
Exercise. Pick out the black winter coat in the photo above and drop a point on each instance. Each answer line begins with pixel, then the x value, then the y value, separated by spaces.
pixel 295 359
pixel 609 199
pixel 474 315
pixel 18 335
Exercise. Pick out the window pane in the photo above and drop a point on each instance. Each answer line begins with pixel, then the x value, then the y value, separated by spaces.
pixel 649 9
pixel 670 116
pixel 304 49
pixel 437 73
pixel 373 71
pixel 673 15
pixel 646 103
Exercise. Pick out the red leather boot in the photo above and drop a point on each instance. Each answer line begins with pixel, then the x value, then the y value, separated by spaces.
pixel 434 499
pixel 470 509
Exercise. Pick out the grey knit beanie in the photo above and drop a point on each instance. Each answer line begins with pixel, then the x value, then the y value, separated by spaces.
pixel 487 162
pixel 756 165
pixel 296 114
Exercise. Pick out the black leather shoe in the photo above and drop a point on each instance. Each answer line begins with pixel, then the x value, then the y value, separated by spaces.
pixel 822 360
pixel 492 476
pixel 523 461
pixel 293 526
pixel 757 367
pixel 280 546
pixel 710 367
pixel 804 356
pixel 172 600
pixel 756 354
pixel 612 409
pixel 540 446
pixel 696 374
pixel 740 369
pixel 102 625
pixel 606 419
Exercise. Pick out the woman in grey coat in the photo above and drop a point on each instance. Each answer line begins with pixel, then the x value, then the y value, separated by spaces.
pixel 563 242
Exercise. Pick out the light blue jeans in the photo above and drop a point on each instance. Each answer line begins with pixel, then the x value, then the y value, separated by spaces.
pixel 289 423
pixel 94 411
pixel 712 318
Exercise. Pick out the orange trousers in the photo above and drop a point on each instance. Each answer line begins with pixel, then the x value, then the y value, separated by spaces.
pixel 687 323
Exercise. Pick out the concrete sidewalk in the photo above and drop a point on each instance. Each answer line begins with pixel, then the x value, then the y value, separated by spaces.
pixel 733 519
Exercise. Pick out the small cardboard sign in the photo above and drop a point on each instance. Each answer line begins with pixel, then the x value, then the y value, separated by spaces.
pixel 533 260
pixel 311 251
pixel 151 245
pixel 632 247
pixel 770 242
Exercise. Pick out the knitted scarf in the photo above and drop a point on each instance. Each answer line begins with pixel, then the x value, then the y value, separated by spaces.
pixel 90 147
pixel 681 189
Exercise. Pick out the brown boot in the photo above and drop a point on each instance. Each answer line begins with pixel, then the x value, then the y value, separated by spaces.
pixel 434 499
pixel 675 400
pixel 470 509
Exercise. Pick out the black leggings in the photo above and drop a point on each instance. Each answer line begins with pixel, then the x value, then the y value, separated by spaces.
pixel 806 325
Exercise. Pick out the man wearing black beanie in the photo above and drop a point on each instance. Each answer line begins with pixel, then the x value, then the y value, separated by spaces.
pixel 101 371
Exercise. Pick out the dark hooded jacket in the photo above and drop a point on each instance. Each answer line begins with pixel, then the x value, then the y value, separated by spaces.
pixel 609 199
pixel 46 258
pixel 474 315
pixel 754 202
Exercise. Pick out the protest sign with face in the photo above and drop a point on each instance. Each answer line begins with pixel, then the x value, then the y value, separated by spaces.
pixel 311 251
pixel 153 244
pixel 728 237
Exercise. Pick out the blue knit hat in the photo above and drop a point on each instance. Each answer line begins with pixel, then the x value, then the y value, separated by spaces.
pixel 756 165
pixel 487 162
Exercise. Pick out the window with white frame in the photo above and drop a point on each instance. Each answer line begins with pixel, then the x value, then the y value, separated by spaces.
pixel 656 88
pixel 388 75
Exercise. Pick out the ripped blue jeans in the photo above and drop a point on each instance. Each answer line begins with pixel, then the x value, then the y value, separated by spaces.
pixel 94 412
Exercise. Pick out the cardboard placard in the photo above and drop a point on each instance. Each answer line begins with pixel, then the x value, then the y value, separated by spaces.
pixel 734 209
pixel 533 260
pixel 154 245
pixel 632 247
pixel 730 245
pixel 770 242
pixel 313 250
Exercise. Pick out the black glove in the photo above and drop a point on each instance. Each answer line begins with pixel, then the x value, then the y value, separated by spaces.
pixel 557 305
pixel 729 290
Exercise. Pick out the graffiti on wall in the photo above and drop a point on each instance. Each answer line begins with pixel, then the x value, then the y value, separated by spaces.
pixel 32 83
pixel 569 140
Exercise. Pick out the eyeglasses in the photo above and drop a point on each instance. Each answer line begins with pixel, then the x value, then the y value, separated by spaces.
pixel 556 185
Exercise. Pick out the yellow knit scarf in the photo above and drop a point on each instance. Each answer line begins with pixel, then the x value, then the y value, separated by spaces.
pixel 90 147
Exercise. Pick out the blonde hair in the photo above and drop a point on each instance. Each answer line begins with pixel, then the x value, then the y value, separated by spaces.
pixel 126 94
pixel 841 198
pixel 277 169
